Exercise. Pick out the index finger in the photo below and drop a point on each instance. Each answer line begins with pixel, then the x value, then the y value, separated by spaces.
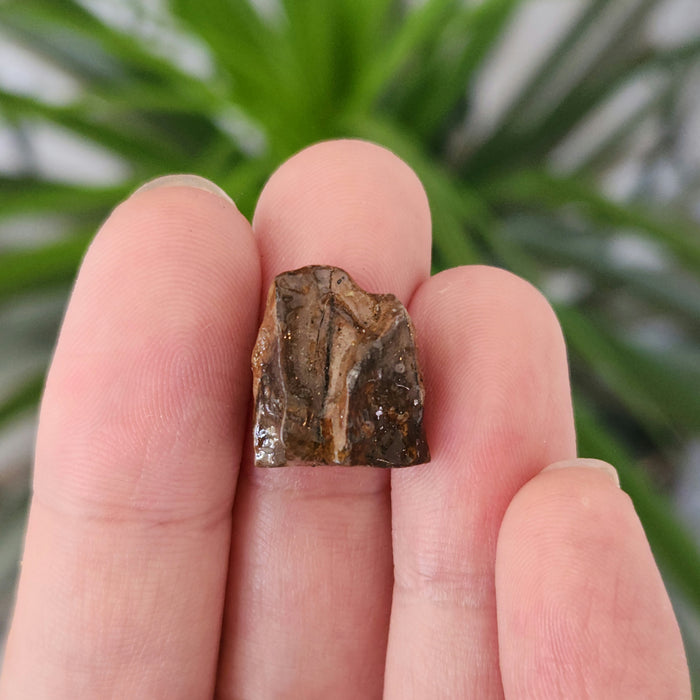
pixel 140 436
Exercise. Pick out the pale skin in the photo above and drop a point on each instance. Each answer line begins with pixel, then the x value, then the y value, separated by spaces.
pixel 159 563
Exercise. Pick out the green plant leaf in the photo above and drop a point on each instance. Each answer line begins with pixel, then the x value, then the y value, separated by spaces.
pixel 47 266
pixel 454 208
pixel 73 38
pixel 673 545
pixel 656 393
pixel 23 398
pixel 413 32
pixel 539 187
pixel 267 85
pixel 132 138
pixel 615 65
pixel 675 290
pixel 486 24
pixel 531 90
pixel 432 102
pixel 27 195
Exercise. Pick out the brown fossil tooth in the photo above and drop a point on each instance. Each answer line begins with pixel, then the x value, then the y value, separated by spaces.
pixel 335 376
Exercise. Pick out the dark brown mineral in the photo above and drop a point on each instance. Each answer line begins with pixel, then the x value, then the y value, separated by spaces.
pixel 335 376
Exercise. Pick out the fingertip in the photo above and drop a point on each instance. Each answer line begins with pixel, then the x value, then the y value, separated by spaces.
pixel 160 325
pixel 176 241
pixel 582 608
pixel 495 366
pixel 569 508
pixel 348 203
pixel 359 166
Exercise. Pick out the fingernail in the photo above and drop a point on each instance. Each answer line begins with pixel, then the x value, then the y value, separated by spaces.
pixel 584 463
pixel 184 180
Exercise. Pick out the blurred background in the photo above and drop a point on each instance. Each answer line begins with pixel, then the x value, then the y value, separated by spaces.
pixel 557 138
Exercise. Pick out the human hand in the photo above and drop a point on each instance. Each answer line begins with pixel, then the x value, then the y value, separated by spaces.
pixel 155 567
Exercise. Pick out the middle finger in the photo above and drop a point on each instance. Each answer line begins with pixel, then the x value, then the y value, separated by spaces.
pixel 310 578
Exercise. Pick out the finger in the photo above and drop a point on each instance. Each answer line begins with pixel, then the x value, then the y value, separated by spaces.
pixel 497 410
pixel 319 539
pixel 582 610
pixel 123 578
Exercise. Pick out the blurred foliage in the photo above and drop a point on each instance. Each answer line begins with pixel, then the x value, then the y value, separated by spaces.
pixel 275 76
